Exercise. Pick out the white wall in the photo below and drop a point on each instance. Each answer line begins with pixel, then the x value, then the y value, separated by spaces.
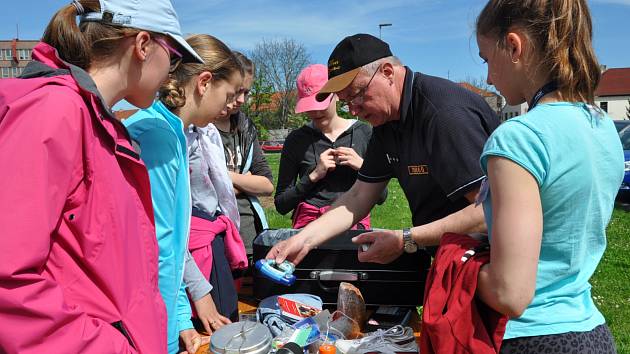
pixel 617 105
pixel 512 111
pixel 495 102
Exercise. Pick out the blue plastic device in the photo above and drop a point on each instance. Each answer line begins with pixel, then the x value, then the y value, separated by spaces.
pixel 279 273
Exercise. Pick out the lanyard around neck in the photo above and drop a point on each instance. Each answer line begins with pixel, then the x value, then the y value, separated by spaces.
pixel 548 88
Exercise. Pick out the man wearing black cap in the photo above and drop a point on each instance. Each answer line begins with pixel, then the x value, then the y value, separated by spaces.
pixel 428 133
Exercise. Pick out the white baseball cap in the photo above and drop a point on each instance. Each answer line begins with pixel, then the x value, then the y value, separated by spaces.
pixel 154 15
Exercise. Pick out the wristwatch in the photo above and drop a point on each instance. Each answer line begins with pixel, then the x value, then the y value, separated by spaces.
pixel 409 245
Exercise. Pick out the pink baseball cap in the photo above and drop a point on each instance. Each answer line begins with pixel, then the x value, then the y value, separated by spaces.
pixel 309 82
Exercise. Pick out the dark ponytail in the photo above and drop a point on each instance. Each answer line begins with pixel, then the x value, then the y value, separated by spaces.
pixel 64 34
pixel 561 32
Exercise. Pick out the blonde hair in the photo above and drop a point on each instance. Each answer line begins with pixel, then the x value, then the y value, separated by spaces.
pixel 218 60
pixel 561 32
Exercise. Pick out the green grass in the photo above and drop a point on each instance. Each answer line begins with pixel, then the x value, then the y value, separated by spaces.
pixel 611 282
pixel 391 215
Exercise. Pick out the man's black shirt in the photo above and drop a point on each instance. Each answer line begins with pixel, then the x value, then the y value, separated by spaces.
pixel 434 149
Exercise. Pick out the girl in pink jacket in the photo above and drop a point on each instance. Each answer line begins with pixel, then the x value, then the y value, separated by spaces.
pixel 78 253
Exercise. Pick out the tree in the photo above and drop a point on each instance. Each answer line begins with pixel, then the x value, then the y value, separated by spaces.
pixel 343 111
pixel 259 98
pixel 257 103
pixel 279 62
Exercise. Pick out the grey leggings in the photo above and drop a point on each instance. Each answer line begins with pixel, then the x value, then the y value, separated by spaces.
pixel 597 341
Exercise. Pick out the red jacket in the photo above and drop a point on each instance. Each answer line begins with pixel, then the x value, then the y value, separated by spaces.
pixel 454 320
pixel 78 250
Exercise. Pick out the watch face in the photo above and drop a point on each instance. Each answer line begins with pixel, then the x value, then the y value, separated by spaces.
pixel 411 247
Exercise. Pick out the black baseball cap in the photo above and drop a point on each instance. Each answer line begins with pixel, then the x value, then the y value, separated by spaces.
pixel 348 57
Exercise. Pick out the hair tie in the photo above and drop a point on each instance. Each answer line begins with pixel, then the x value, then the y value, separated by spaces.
pixel 77 5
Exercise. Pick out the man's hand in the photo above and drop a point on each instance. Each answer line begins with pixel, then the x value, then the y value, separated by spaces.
pixel 325 164
pixel 385 246
pixel 208 314
pixel 294 250
pixel 348 157
pixel 192 340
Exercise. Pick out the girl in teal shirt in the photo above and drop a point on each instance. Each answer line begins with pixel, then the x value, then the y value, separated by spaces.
pixel 552 174
pixel 195 94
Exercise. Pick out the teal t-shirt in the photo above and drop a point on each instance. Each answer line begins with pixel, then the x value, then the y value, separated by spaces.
pixel 575 155
pixel 160 135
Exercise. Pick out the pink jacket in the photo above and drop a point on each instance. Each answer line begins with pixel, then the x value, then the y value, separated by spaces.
pixel 203 232
pixel 78 250
pixel 306 213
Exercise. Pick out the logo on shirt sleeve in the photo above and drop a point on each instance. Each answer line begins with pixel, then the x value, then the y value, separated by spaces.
pixel 392 159
pixel 418 170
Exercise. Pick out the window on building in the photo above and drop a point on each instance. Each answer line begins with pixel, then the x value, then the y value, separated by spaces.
pixel 15 72
pixel 604 106
pixel 5 73
pixel 5 54
pixel 24 54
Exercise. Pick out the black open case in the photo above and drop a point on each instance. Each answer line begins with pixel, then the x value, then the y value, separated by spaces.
pixel 400 283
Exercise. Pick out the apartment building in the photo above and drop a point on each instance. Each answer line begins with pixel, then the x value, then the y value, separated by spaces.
pixel 14 55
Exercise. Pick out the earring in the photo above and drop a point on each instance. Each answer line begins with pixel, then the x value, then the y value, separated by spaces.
pixel 515 62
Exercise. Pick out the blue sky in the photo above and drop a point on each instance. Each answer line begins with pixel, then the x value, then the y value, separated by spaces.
pixel 431 36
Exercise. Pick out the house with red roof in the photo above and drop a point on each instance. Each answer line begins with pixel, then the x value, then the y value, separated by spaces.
pixel 613 92
pixel 124 113
pixel 494 100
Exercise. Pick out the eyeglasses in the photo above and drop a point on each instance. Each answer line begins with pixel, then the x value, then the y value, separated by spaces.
pixel 243 91
pixel 174 55
pixel 357 98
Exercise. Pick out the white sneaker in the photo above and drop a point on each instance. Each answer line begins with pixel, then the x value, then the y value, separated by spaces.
pixel 397 339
